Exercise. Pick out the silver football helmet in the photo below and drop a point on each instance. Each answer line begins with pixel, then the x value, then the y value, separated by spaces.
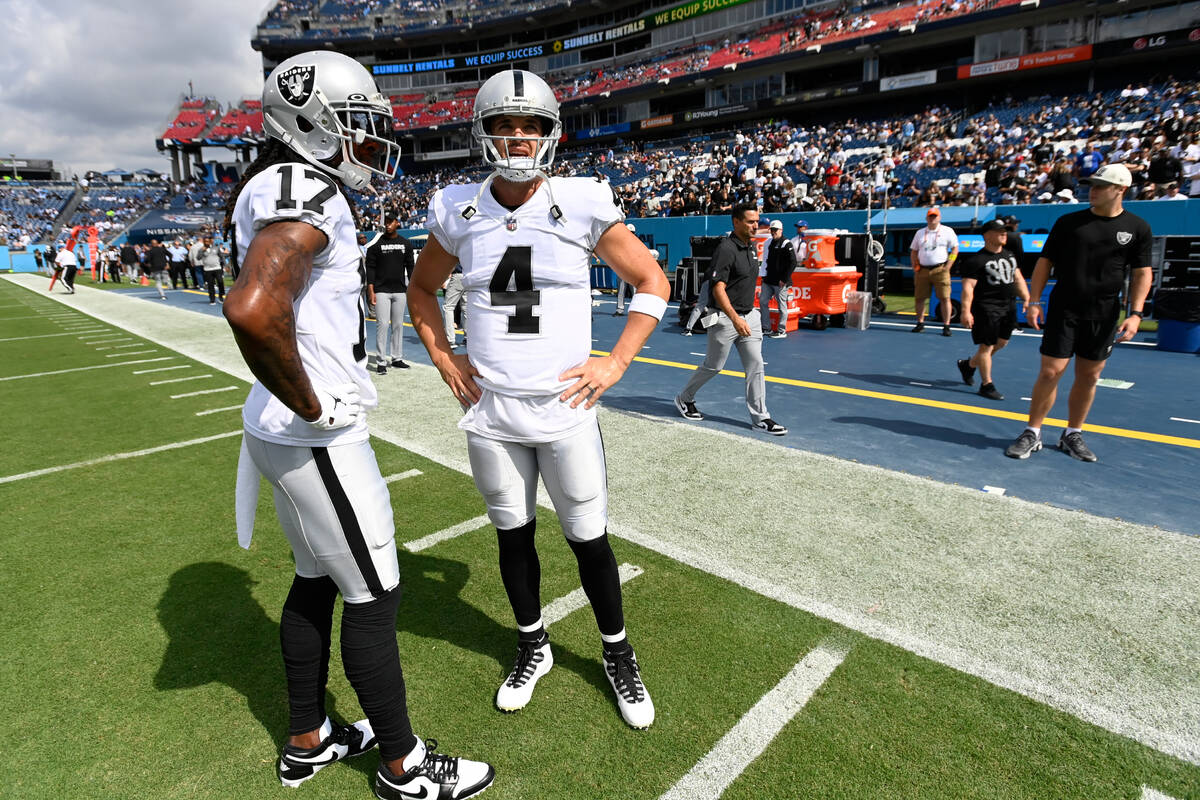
pixel 327 108
pixel 519 93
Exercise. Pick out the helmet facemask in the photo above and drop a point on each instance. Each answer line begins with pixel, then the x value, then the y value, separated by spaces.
pixel 519 169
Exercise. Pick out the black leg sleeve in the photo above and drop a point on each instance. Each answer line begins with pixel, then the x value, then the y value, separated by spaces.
pixel 304 634
pixel 521 572
pixel 601 582
pixel 372 662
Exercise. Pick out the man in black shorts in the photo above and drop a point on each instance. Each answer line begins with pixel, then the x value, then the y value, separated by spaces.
pixel 1091 252
pixel 990 281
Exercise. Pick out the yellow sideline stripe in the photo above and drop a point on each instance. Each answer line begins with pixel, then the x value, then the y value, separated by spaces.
pixel 1181 441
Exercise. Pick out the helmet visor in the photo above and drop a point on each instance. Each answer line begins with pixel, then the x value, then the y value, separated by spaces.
pixel 370 138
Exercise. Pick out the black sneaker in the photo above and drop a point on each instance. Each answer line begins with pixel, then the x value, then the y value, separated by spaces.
pixel 771 426
pixel 687 410
pixel 945 330
pixel 399 364
pixel 297 765
pixel 988 390
pixel 967 371
pixel 1028 442
pixel 381 368
pixel 1072 444
pixel 436 776
pixel 621 667
pixel 920 326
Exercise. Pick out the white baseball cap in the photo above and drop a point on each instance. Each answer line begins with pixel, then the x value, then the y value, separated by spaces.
pixel 1115 174
pixel 776 225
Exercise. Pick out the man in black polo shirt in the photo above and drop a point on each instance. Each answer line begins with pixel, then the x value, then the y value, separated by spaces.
pixel 1091 252
pixel 991 279
pixel 735 272
pixel 389 264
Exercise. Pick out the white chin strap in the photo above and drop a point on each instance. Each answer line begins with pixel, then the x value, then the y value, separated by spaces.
pixel 355 177
pixel 473 207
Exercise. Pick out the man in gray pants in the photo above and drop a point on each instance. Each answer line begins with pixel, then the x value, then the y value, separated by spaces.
pixel 389 265
pixel 734 271
pixel 453 296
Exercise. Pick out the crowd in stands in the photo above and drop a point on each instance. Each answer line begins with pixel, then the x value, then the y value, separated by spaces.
pixel 28 211
pixel 341 16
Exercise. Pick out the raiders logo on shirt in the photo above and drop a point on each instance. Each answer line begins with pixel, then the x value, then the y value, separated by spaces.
pixel 296 84
pixel 1124 237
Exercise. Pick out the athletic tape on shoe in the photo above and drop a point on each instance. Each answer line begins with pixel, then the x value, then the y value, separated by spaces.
pixel 651 304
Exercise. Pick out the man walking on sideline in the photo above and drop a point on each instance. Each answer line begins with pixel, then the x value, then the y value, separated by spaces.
pixel 933 251
pixel 781 263
pixel 209 258
pixel 1091 253
pixel 734 270
pixel 990 280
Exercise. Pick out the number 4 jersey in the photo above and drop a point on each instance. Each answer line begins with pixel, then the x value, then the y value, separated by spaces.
pixel 330 319
pixel 527 278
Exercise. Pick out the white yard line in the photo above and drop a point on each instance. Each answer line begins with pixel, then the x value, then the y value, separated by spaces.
pixel 203 391
pixel 118 457
pixel 1185 419
pixel 180 380
pixel 747 740
pixel 425 542
pixel 31 316
pixel 399 476
pixel 83 369
pixel 829 371
pixel 573 601
pixel 217 410
pixel 161 369
pixel 39 336
pixel 121 346
pixel 132 353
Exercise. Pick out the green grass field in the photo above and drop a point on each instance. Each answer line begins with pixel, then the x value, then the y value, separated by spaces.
pixel 141 644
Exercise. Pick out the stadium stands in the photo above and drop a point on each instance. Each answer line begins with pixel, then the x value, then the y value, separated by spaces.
pixel 112 208
pixel 28 208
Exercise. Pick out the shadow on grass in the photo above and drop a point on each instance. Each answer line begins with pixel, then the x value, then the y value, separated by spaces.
pixel 218 633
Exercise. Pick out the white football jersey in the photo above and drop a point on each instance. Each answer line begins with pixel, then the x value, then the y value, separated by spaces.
pixel 330 318
pixel 527 283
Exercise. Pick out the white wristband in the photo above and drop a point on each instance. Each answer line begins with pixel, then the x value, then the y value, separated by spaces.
pixel 646 303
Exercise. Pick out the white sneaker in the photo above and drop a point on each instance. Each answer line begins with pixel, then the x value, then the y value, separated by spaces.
pixel 433 775
pixel 533 661
pixel 637 708
pixel 297 765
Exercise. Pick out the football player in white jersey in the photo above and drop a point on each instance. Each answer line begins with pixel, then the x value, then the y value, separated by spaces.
pixel 297 316
pixel 526 382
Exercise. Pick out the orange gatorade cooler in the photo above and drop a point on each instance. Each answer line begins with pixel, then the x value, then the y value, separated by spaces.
pixel 821 248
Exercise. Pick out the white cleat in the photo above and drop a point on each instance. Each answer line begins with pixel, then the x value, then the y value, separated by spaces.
pixel 637 708
pixel 533 661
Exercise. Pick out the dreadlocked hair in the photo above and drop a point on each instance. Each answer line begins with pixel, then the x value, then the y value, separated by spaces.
pixel 273 152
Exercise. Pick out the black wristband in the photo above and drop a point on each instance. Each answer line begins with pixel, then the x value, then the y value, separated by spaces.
pixel 1136 314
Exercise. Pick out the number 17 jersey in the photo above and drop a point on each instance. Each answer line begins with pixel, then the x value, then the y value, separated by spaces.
pixel 527 279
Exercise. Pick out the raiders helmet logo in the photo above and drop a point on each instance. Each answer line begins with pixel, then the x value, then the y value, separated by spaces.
pixel 296 84
pixel 1124 237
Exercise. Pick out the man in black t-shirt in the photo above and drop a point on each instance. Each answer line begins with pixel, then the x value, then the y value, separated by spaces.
pixel 991 279
pixel 735 273
pixel 1091 252
pixel 389 264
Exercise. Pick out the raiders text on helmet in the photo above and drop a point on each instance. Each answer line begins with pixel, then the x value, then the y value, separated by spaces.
pixel 518 93
pixel 324 105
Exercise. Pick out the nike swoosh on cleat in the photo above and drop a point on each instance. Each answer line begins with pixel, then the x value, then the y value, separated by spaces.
pixel 424 793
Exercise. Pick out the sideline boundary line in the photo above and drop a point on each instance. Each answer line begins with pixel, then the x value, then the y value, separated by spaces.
pixel 82 369
pixel 1127 433
pixel 117 457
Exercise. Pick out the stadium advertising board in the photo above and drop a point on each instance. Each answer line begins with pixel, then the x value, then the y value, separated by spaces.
pixel 684 11
pixel 414 66
pixel 1166 40
pixel 599 37
pixel 714 113
pixel 661 121
pixel 926 77
pixel 602 130
pixel 1049 58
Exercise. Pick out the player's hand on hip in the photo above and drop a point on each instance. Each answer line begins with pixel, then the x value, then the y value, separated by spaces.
pixel 594 377
pixel 1033 315
pixel 459 374
pixel 1128 328
pixel 341 406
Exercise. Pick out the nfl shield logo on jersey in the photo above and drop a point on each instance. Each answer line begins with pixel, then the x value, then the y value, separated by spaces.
pixel 296 84
pixel 1124 237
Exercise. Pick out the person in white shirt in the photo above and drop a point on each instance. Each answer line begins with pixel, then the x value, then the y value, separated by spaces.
pixel 800 243
pixel 933 251
pixel 527 383
pixel 69 263
pixel 298 317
